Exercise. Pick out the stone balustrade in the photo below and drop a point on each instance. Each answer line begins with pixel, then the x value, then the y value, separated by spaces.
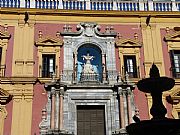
pixel 119 5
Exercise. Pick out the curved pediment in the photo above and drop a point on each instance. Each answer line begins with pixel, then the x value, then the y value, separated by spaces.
pixel 128 43
pixel 175 37
pixel 175 92
pixel 4 35
pixel 49 41
pixel 5 97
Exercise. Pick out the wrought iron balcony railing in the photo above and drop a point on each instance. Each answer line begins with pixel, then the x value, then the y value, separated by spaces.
pixel 2 70
pixel 133 73
pixel 46 73
pixel 170 5
pixel 75 77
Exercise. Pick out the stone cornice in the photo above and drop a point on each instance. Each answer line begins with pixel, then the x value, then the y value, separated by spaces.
pixel 18 80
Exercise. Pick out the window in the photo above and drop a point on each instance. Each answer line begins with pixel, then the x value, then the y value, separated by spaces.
pixel 175 56
pixel 130 66
pixel 48 65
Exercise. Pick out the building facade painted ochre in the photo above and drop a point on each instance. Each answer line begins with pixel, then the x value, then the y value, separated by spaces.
pixel 75 72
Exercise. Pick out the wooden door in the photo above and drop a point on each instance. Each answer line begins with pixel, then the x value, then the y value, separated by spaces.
pixel 90 120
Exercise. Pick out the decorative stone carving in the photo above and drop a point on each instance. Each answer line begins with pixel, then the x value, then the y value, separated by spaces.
pixel 88 68
pixel 4 35
pixel 173 37
pixel 89 29
pixel 5 97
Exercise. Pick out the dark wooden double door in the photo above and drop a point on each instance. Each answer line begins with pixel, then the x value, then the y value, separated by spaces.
pixel 90 120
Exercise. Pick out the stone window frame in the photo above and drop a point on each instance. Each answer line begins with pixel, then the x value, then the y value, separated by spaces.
pixel 173 43
pixel 128 47
pixel 49 45
pixel 4 40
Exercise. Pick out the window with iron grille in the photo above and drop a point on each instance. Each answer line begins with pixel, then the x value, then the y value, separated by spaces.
pixel 130 65
pixel 48 65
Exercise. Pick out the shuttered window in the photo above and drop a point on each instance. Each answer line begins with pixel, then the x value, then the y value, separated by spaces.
pixel 130 66
pixel 48 65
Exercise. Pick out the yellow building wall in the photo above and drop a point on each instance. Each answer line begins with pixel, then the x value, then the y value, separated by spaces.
pixel 24 42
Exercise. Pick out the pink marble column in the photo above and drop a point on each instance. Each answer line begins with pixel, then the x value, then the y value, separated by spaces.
pixel 61 108
pixel 129 108
pixel 121 103
pixel 53 111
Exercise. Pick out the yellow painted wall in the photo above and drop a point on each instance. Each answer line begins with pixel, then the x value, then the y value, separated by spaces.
pixel 24 42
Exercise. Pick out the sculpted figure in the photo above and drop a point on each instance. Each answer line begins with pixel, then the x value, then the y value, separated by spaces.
pixel 88 68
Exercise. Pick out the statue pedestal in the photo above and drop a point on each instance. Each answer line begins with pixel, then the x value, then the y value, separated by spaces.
pixel 89 78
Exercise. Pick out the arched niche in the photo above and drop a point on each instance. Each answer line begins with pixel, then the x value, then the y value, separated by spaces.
pixel 96 62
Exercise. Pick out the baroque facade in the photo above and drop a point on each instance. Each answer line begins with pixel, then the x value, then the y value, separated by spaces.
pixel 75 71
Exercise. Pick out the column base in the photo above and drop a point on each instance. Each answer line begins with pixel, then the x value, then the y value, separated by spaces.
pixel 121 131
pixel 58 132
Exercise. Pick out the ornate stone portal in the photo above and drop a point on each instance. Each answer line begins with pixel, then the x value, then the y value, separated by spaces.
pixel 68 96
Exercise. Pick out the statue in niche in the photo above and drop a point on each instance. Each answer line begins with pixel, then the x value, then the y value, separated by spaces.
pixel 88 67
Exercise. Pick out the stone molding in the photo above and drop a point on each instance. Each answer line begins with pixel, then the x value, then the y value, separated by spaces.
pixel 48 45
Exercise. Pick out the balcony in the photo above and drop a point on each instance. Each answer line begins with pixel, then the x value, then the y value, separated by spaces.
pixel 94 5
pixel 74 77
pixel 46 73
pixel 2 70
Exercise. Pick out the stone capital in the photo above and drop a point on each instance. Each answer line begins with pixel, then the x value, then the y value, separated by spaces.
pixel 3 111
